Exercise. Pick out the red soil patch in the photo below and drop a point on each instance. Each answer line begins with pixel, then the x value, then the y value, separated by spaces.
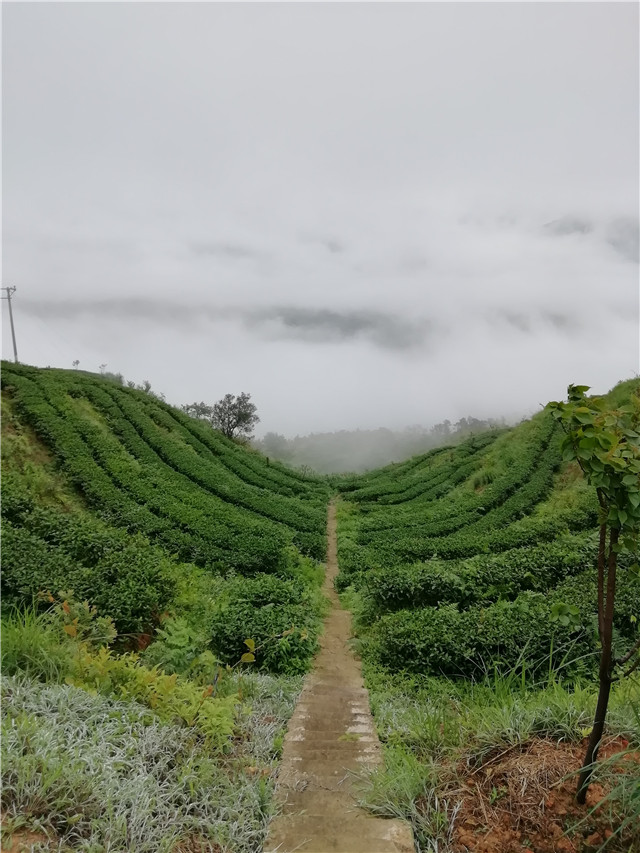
pixel 523 799
pixel 21 841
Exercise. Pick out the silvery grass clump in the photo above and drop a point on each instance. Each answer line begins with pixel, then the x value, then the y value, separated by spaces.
pixel 105 776
pixel 268 702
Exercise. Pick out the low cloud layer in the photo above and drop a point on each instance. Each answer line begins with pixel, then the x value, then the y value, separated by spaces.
pixel 362 214
pixel 306 325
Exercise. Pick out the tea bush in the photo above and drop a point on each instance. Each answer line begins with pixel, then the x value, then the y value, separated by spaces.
pixel 280 616
pixel 445 640
pixel 483 577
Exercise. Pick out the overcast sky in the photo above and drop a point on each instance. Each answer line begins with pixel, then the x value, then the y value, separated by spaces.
pixel 362 214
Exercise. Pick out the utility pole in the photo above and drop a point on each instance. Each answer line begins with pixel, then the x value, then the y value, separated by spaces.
pixel 10 292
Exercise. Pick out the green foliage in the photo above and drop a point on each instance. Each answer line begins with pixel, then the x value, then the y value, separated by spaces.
pixel 477 555
pixel 434 716
pixel 280 616
pixel 170 697
pixel 46 550
pixel 68 642
pixel 235 417
pixel 554 628
pixel 171 503
pixel 180 648
pixel 484 577
pixel 606 443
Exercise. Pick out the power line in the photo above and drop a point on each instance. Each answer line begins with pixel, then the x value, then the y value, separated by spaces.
pixel 10 292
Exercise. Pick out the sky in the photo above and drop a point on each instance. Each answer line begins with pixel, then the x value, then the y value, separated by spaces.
pixel 363 215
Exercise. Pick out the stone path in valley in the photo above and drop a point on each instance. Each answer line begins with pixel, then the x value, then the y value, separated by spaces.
pixel 331 737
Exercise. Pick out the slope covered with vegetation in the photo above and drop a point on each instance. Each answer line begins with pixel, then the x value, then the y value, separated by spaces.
pixel 175 576
pixel 471 573
pixel 151 487
pixel 161 601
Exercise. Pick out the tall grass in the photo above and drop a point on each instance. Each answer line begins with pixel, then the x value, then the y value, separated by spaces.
pixel 34 644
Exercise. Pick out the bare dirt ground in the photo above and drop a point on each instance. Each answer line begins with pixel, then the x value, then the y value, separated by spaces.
pixel 21 841
pixel 523 799
pixel 331 738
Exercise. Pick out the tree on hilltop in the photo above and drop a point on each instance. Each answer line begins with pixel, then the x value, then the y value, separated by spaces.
pixel 235 417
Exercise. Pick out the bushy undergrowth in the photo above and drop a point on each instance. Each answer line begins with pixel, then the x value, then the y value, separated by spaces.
pixel 432 715
pixel 109 752
pixel 150 569
pixel 67 644
pixel 449 641
pixel 53 543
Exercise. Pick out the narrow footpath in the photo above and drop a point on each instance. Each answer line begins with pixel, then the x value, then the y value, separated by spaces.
pixel 330 738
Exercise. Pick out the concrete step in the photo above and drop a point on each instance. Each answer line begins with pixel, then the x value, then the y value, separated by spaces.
pixel 366 835
pixel 317 802
pixel 348 755
pixel 321 774
pixel 333 718
pixel 318 737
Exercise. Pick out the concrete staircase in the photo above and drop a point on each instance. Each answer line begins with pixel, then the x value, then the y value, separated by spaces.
pixel 330 739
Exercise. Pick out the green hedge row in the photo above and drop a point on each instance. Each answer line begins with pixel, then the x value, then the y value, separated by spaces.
pixel 483 578
pixel 532 472
pixel 124 576
pixel 445 640
pixel 209 473
pixel 525 490
pixel 452 466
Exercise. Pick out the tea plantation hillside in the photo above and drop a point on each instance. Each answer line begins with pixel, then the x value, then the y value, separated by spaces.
pixel 144 489
pixel 162 599
pixel 480 555
pixel 471 574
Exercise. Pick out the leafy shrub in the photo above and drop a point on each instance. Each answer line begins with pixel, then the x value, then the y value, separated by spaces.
pixel 445 640
pixel 181 648
pixel 424 641
pixel 266 609
pixel 68 642
pixel 123 576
